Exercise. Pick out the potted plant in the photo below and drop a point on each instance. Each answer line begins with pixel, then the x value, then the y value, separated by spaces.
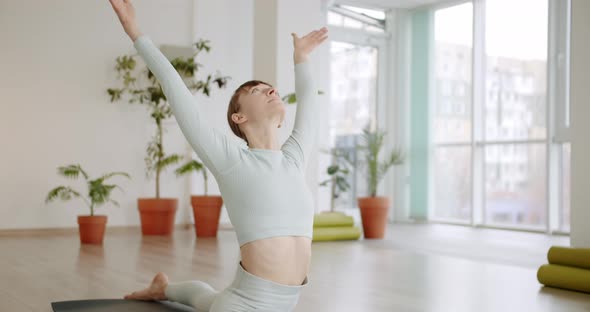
pixel 374 208
pixel 157 214
pixel 338 172
pixel 206 209
pixel 92 227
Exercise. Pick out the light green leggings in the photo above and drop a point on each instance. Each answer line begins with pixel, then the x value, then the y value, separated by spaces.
pixel 246 293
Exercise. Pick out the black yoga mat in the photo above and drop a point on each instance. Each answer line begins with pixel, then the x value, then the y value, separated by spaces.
pixel 118 305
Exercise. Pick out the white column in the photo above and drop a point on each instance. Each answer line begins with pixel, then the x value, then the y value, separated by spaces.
pixel 265 41
pixel 580 126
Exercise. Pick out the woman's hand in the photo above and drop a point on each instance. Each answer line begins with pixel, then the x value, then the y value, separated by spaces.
pixel 126 13
pixel 304 45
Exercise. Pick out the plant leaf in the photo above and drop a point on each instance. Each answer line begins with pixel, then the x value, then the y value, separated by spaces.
pixel 72 171
pixel 189 167
pixel 332 169
pixel 112 174
pixel 170 160
pixel 63 192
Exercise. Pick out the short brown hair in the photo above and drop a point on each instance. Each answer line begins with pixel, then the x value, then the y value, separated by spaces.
pixel 234 105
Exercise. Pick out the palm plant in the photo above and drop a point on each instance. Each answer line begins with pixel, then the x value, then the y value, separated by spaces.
pixel 338 172
pixel 98 192
pixel 376 170
pixel 148 91
pixel 190 166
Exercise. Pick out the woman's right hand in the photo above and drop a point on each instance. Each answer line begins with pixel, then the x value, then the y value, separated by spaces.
pixel 126 13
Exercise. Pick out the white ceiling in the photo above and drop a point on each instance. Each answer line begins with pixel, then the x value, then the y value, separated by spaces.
pixel 388 4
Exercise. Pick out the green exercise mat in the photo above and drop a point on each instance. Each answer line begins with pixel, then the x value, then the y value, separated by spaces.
pixel 118 305
pixel 336 233
pixel 330 219
pixel 573 257
pixel 560 276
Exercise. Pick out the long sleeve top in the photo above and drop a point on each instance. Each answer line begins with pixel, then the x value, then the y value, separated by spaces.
pixel 264 191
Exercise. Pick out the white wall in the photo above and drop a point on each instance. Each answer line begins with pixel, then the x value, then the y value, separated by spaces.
pixel 229 24
pixel 57 61
pixel 56 67
pixel 580 127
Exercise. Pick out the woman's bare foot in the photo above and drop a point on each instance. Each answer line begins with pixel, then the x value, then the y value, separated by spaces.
pixel 156 291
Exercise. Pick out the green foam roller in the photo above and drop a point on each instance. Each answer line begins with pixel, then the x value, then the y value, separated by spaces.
pixel 573 257
pixel 336 233
pixel 331 219
pixel 565 277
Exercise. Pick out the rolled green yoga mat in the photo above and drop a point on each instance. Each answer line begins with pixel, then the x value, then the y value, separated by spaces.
pixel 329 219
pixel 336 233
pixel 573 257
pixel 560 276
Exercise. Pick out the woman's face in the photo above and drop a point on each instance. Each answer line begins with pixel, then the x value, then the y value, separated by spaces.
pixel 262 103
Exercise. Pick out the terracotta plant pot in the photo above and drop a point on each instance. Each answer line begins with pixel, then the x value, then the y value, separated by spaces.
pixel 157 215
pixel 206 212
pixel 92 229
pixel 374 215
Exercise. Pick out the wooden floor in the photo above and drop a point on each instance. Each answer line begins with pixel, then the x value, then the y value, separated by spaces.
pixel 416 268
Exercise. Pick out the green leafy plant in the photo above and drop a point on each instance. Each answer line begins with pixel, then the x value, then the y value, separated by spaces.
pixel 376 170
pixel 338 172
pixel 291 98
pixel 193 166
pixel 98 192
pixel 142 87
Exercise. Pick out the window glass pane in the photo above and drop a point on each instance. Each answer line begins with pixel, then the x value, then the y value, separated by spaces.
pixel 334 18
pixel 452 183
pixel 451 104
pixel 353 87
pixel 452 74
pixel 515 184
pixel 566 154
pixel 351 23
pixel 516 61
pixel 374 29
pixel 353 100
pixel 346 145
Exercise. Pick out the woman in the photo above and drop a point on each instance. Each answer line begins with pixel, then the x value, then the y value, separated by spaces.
pixel 263 185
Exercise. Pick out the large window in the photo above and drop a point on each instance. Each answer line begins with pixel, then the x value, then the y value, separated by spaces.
pixel 354 93
pixel 492 156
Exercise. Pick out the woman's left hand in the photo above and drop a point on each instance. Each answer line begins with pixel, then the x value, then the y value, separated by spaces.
pixel 304 45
